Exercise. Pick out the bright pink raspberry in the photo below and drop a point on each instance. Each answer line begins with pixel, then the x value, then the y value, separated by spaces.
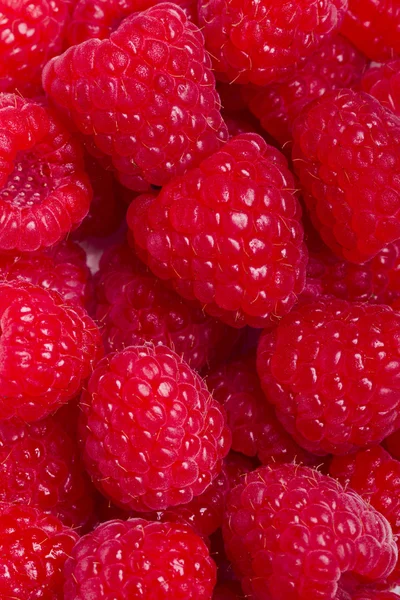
pixel 374 27
pixel 153 436
pixel 44 190
pixel 383 82
pixel 146 96
pixel 347 155
pixel 34 547
pixel 336 65
pixel 134 307
pixel 371 595
pixel 228 234
pixel 40 466
pixel 262 42
pixel 331 370
pixel 48 349
pixel 137 558
pixel 294 533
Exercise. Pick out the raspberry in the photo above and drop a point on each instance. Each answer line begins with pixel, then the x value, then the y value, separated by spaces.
pixel 44 191
pixel 346 153
pixel 146 96
pixel 228 234
pixel 374 595
pixel 136 558
pixel 262 42
pixel 293 533
pixel 39 466
pixel 34 547
pixel 30 34
pixel 228 591
pixel 153 436
pixel 383 83
pixel 392 444
pixel 134 307
pixel 251 419
pixel 48 349
pixel 336 65
pixel 242 122
pixel 331 369
pixel 233 97
pixel 374 27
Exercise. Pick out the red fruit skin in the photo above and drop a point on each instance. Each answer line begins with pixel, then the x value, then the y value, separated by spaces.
pixel 152 436
pixel 263 42
pixel 34 547
pixel 216 234
pixel 48 349
pixel 374 595
pixel 373 26
pixel 330 368
pixel 336 65
pixel 383 82
pixel 44 190
pixel 292 532
pixel 349 174
pixel 156 122
pixel 228 591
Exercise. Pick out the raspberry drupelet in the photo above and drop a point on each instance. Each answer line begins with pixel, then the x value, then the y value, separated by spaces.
pixel 34 547
pixel 44 190
pixel 47 348
pixel 146 96
pixel 292 532
pixel 263 42
pixel 383 82
pixel 347 155
pixel 331 369
pixel 152 435
pixel 228 234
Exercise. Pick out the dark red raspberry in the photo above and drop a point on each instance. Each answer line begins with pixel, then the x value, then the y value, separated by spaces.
pixel 153 436
pixel 336 65
pixel 134 307
pixel 331 369
pixel 228 591
pixel 347 154
pixel 255 429
pixel 48 349
pixel 30 34
pixel 262 42
pixel 228 233
pixel 392 444
pixel 146 96
pixel 233 97
pixel 383 82
pixel 374 27
pixel 243 122
pixel 137 558
pixel 293 533
pixel 40 466
pixel 34 547
pixel 44 191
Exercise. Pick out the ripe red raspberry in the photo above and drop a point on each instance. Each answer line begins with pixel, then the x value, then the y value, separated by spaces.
pixel 48 349
pixel 255 429
pixel 374 27
pixel 331 369
pixel 146 96
pixel 44 191
pixel 262 42
pixel 137 558
pixel 34 547
pixel 40 466
pixel 347 154
pixel 153 436
pixel 134 307
pixel 292 532
pixel 372 595
pixel 228 233
pixel 336 65
pixel 383 82
pixel 30 34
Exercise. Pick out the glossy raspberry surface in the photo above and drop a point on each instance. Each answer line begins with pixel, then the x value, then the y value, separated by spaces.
pixel 292 532
pixel 44 190
pixel 153 437
pixel 263 42
pixel 383 82
pixel 47 347
pixel 146 96
pixel 129 559
pixel 331 369
pixel 34 547
pixel 228 234
pixel 346 154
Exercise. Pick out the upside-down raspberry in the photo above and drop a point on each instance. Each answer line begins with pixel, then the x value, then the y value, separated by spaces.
pixel 383 82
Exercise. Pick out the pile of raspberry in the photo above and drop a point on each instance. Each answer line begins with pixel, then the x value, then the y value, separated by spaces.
pixel 200 300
